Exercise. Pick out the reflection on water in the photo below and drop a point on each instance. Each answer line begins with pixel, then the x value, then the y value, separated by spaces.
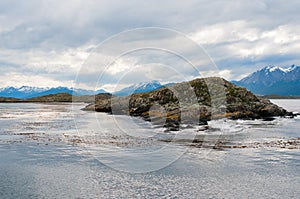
pixel 53 151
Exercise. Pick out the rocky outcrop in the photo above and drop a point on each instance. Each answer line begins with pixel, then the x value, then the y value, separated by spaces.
pixel 100 103
pixel 197 101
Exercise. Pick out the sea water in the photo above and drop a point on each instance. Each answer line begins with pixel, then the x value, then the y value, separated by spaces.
pixel 59 151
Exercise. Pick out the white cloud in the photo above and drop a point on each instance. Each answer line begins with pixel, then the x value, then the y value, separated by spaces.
pixel 121 66
pixel 231 31
pixel 216 73
pixel 281 40
pixel 284 34
pixel 52 39
pixel 19 79
pixel 240 45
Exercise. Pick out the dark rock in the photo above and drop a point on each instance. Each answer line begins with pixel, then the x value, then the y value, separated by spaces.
pixel 194 102
pixel 102 103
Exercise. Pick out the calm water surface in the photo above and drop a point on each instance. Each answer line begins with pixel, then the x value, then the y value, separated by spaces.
pixel 59 151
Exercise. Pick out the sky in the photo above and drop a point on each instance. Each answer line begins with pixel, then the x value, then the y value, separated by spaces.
pixel 52 43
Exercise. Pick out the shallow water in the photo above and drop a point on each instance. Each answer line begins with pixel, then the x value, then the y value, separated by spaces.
pixel 58 151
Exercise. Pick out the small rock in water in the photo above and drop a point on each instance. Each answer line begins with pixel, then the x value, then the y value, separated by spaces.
pixel 203 128
pixel 269 119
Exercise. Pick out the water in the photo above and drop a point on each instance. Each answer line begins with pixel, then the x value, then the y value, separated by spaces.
pixel 59 151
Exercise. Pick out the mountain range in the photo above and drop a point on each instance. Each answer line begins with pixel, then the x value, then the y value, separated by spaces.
pixel 26 92
pixel 273 80
pixel 270 80
pixel 141 87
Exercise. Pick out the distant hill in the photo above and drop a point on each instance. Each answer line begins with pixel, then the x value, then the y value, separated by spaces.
pixel 280 97
pixel 273 80
pixel 9 99
pixel 58 97
pixel 26 92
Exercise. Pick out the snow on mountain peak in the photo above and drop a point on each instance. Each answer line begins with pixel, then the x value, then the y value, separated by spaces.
pixel 30 89
pixel 146 84
pixel 140 87
pixel 291 68
pixel 273 80
pixel 270 69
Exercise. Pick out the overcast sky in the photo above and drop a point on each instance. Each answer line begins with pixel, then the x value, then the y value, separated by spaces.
pixel 45 43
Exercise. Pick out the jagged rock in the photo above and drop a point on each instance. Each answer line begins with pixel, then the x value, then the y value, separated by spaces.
pixel 195 102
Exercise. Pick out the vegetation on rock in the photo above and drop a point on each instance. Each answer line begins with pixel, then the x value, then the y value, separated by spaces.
pixel 197 101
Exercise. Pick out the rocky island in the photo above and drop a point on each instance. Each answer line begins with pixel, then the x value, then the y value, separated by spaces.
pixel 196 101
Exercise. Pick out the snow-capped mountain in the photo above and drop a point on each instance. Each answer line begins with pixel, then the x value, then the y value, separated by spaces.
pixel 273 80
pixel 22 92
pixel 141 87
pixel 26 92
pixel 29 92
